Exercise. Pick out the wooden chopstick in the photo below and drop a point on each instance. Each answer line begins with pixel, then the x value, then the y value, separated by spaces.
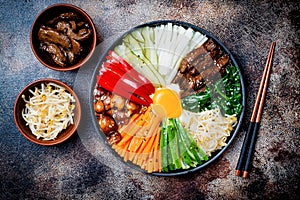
pixel 247 150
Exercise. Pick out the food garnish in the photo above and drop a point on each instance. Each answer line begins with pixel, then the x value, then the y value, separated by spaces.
pixel 48 111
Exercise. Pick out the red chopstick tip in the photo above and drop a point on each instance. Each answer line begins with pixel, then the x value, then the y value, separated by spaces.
pixel 237 172
pixel 245 174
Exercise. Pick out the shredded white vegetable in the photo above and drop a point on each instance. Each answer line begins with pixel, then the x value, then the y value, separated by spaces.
pixel 209 128
pixel 48 111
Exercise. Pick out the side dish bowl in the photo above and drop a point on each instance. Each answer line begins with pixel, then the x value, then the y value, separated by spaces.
pixel 20 105
pixel 63 37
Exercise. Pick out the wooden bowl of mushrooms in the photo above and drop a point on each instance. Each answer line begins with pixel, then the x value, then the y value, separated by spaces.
pixel 63 37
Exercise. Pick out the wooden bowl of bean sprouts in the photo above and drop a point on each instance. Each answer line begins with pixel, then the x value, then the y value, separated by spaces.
pixel 47 112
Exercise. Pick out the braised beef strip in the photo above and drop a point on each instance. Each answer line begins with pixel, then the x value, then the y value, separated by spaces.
pixel 200 67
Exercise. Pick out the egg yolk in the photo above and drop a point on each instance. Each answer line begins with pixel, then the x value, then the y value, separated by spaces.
pixel 166 103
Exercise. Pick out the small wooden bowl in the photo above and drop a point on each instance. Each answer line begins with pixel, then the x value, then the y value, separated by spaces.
pixel 21 123
pixel 43 19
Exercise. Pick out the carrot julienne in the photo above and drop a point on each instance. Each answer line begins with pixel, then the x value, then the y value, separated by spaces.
pixel 140 141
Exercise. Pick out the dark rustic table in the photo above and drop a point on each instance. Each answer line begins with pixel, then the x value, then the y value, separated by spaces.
pixel 82 168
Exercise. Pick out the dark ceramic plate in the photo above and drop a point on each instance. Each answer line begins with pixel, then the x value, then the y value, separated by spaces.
pixel 215 155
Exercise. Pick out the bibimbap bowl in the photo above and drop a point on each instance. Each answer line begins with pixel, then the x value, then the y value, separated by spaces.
pixel 167 97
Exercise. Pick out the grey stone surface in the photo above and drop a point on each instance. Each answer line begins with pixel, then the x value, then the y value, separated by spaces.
pixel 82 168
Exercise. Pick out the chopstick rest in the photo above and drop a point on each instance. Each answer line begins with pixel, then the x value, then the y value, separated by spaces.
pixel 245 158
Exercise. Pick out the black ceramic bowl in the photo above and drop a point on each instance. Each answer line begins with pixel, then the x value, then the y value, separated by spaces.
pixel 185 25
pixel 67 47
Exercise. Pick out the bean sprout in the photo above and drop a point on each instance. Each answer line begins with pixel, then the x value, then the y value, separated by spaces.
pixel 209 128
pixel 48 111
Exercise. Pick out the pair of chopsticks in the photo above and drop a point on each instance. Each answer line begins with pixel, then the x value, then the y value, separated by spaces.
pixel 245 159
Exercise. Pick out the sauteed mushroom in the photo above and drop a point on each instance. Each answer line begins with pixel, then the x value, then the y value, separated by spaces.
pixel 55 52
pixel 66 33
pixel 114 137
pixel 47 34
pixel 99 107
pixel 107 124
pixel 69 27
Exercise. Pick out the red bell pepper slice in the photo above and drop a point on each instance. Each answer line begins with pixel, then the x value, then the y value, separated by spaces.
pixel 118 76
pixel 113 57
pixel 126 84
pixel 115 68
pixel 106 83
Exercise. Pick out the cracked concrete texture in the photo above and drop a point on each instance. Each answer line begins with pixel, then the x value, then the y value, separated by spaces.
pixel 71 171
